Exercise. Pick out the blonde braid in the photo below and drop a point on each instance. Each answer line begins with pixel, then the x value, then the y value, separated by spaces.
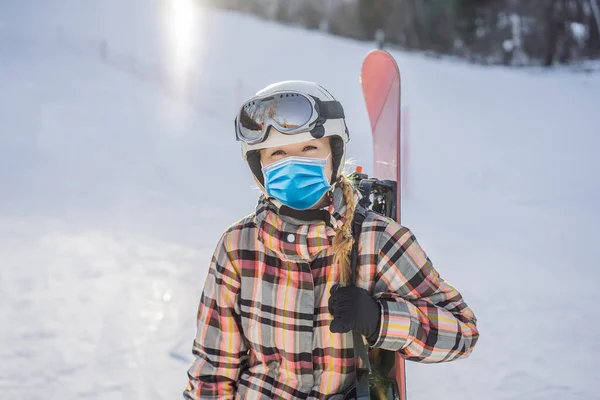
pixel 343 240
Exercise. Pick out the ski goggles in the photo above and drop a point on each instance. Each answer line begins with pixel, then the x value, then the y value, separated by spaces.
pixel 289 112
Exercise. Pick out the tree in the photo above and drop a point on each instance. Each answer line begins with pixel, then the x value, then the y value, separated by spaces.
pixel 373 15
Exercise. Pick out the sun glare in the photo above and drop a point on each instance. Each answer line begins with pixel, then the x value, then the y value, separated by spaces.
pixel 182 36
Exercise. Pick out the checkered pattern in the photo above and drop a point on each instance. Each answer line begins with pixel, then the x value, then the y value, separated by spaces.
pixel 263 325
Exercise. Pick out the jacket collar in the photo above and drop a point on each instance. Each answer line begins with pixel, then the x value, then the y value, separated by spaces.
pixel 295 236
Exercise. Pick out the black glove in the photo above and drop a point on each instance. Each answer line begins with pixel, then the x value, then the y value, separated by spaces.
pixel 353 308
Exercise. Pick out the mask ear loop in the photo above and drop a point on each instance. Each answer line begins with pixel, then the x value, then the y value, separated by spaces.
pixel 331 186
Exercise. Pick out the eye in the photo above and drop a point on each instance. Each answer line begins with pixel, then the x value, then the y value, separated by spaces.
pixel 278 153
pixel 309 148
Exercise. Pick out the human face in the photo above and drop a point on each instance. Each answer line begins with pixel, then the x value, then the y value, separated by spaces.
pixel 316 148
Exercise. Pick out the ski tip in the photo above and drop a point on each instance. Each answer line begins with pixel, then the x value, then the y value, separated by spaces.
pixel 379 51
pixel 379 57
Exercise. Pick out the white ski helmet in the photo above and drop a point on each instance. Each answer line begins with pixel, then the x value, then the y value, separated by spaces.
pixel 334 128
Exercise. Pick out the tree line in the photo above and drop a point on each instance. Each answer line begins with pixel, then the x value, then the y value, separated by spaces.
pixel 511 32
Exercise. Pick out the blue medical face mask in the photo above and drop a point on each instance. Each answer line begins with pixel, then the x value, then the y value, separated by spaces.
pixel 297 182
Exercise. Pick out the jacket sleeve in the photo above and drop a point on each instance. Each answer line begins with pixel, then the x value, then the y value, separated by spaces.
pixel 422 315
pixel 220 349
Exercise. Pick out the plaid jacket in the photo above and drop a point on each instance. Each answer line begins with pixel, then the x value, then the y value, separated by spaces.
pixel 263 323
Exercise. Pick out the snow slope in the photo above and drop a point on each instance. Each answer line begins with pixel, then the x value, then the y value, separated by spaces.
pixel 119 171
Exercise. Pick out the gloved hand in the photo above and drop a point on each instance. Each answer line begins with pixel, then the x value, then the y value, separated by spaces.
pixel 353 308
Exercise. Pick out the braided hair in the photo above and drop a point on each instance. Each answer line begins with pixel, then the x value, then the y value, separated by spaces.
pixel 343 240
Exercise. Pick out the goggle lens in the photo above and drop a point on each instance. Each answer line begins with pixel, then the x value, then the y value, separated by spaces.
pixel 285 112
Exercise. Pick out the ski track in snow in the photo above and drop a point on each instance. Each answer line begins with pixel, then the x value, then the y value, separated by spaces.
pixel 117 179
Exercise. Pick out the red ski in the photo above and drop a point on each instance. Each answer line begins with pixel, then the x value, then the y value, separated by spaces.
pixel 380 80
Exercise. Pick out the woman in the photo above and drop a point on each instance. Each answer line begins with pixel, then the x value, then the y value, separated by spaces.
pixel 272 322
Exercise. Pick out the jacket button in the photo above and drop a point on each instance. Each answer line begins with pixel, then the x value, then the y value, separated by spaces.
pixel 291 238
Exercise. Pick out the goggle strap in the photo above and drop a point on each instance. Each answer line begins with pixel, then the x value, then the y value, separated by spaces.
pixel 331 110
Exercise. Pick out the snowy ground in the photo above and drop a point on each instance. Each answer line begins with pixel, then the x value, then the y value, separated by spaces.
pixel 115 186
